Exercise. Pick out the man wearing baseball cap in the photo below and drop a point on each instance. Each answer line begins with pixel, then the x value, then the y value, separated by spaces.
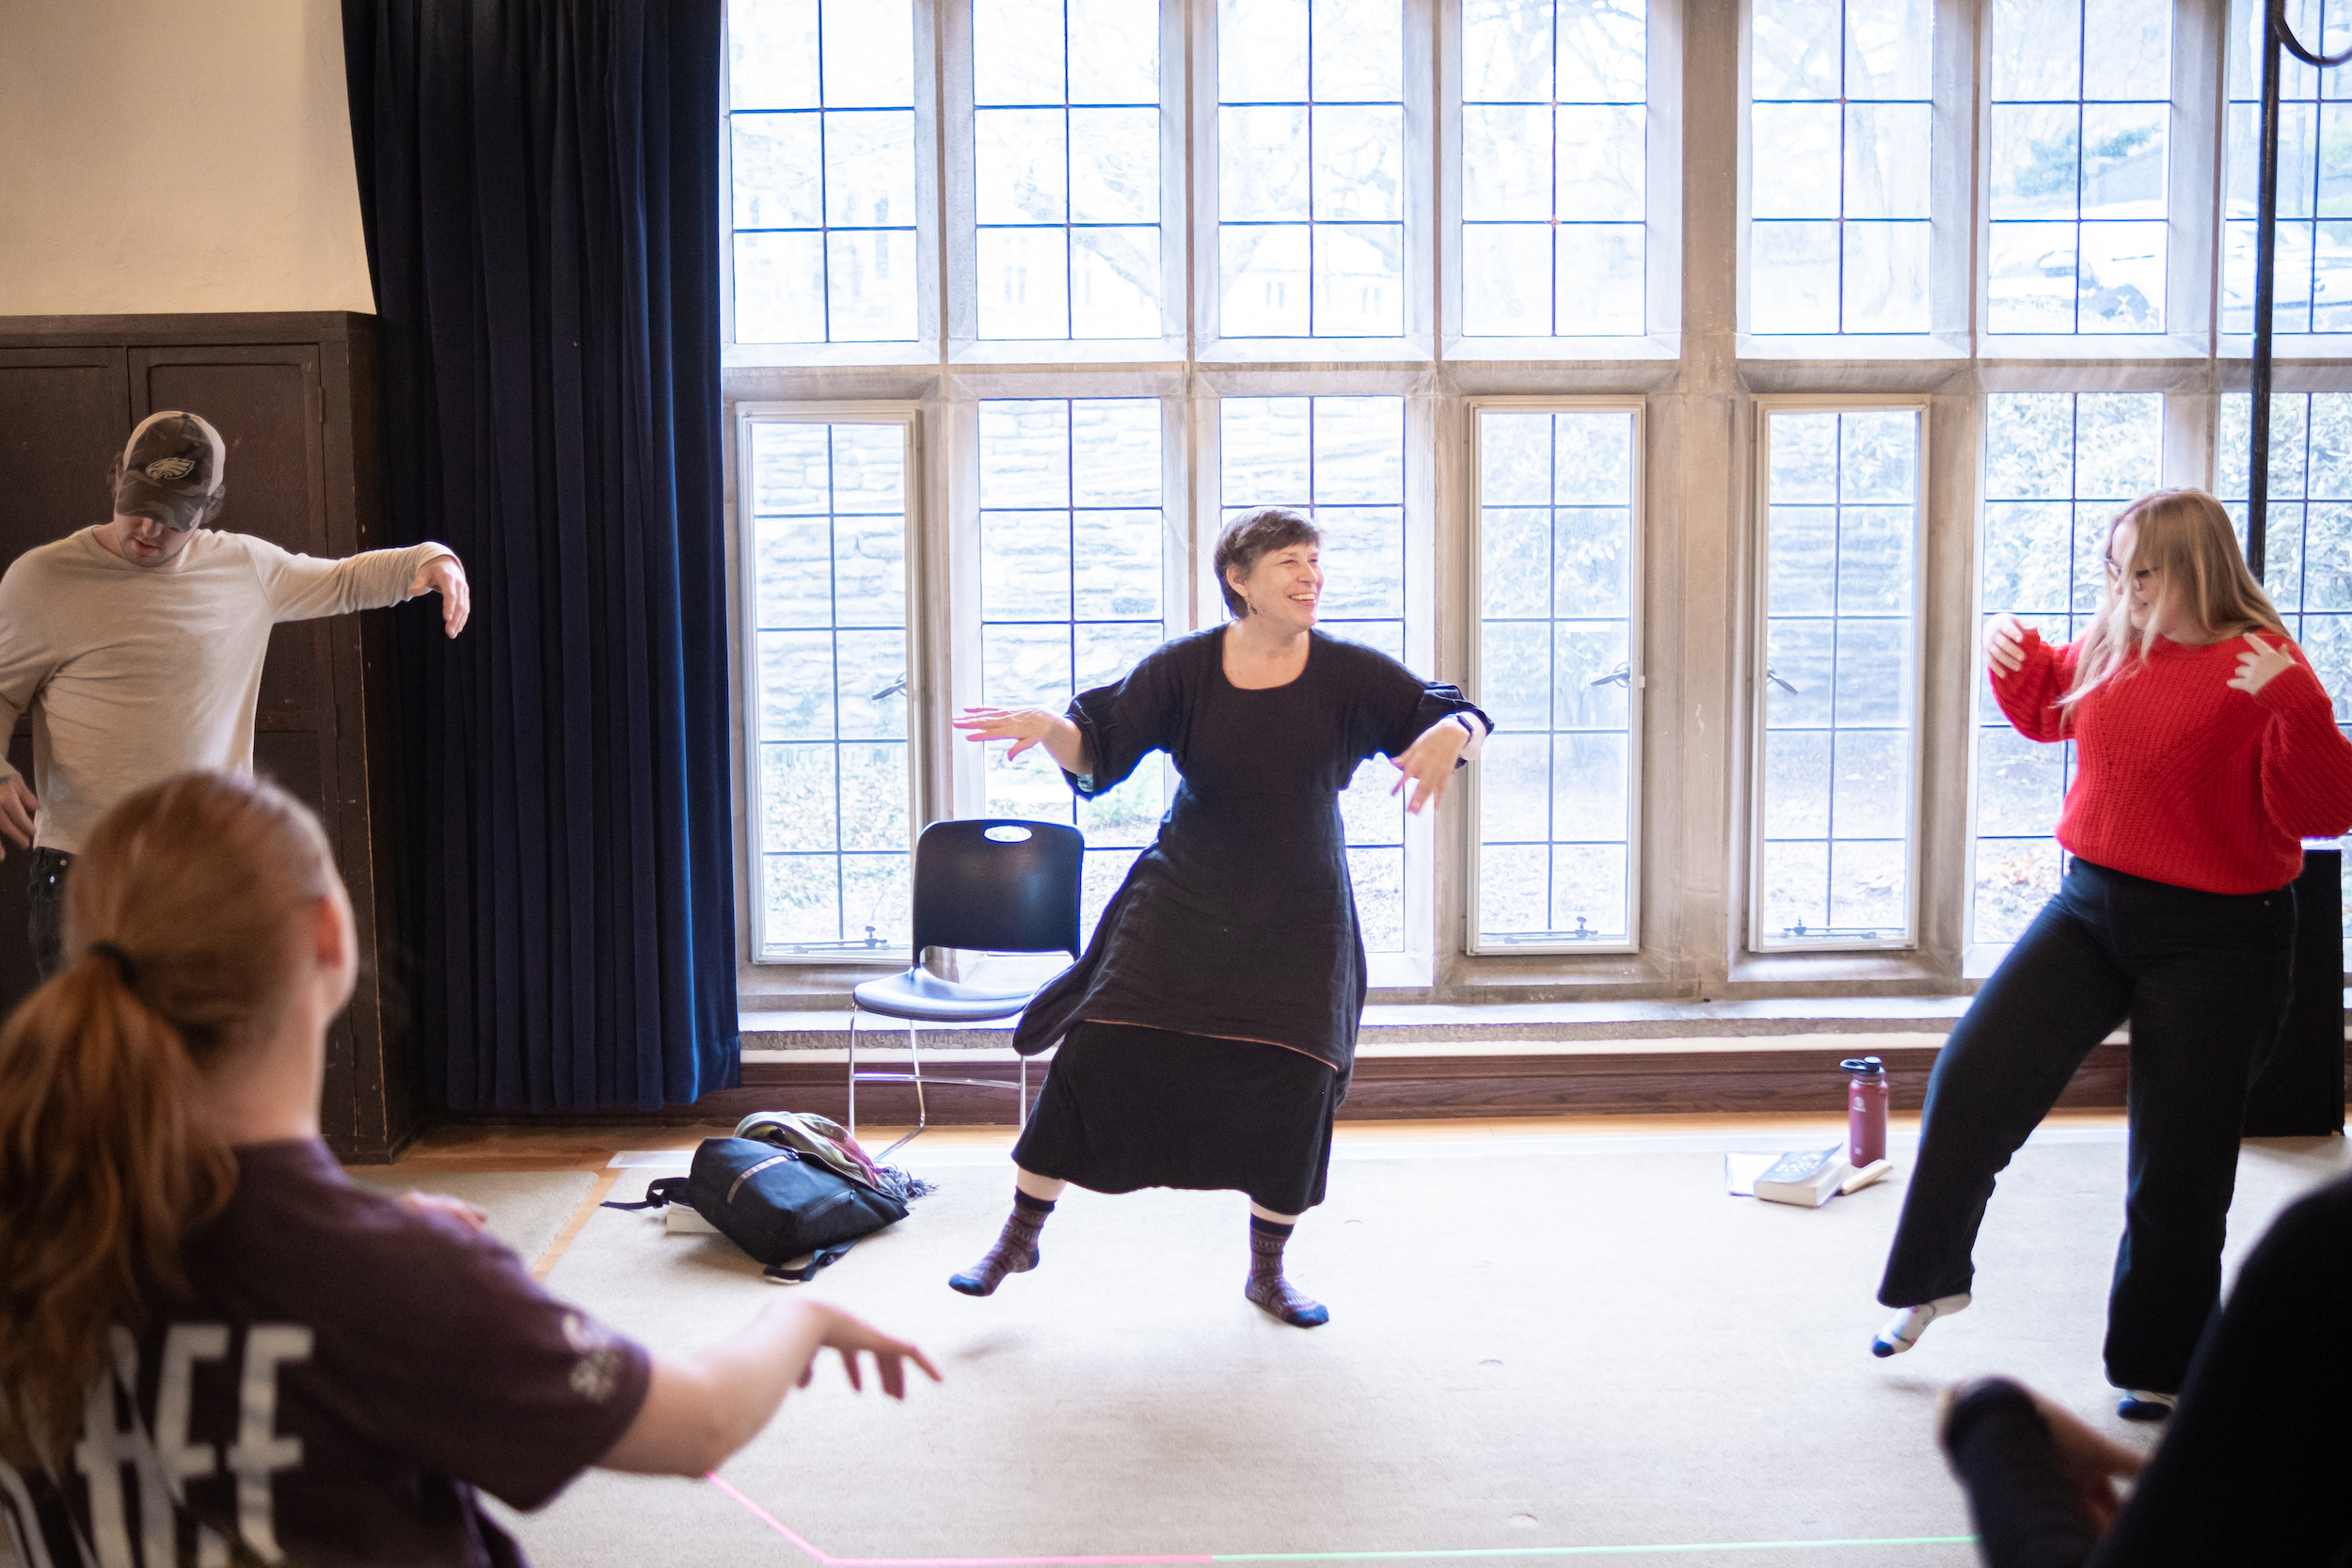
pixel 138 644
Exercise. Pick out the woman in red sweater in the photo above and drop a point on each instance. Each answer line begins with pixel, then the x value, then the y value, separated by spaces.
pixel 2205 752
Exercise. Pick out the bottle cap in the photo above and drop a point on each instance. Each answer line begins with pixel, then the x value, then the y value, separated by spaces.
pixel 1865 1066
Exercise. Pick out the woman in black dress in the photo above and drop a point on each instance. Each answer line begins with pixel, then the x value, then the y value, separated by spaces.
pixel 1208 1032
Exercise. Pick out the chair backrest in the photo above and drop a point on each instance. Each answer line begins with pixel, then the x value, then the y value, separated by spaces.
pixel 997 885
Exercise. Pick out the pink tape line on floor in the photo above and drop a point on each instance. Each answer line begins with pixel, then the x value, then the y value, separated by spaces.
pixel 829 1560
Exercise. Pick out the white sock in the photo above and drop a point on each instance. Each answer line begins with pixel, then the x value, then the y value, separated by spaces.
pixel 1903 1329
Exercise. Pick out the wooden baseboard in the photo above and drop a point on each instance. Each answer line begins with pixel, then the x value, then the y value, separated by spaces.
pixel 1395 1087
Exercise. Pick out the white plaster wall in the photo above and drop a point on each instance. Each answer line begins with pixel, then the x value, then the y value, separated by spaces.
pixel 167 157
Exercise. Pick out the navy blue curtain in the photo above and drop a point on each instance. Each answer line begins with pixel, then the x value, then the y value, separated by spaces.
pixel 540 184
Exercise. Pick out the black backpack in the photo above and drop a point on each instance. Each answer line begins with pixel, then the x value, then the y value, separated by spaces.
pixel 775 1204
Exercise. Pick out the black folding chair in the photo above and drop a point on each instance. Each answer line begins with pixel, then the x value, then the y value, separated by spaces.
pixel 984 885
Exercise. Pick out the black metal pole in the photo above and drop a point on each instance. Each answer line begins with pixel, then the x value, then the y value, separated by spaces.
pixel 2265 259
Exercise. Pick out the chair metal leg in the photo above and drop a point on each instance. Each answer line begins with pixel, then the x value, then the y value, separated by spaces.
pixel 852 1068
pixel 922 1113
pixel 1023 1119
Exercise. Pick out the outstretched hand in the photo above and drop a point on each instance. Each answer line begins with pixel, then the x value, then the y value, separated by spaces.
pixel 1025 727
pixel 1427 764
pixel 2259 668
pixel 445 575
pixel 472 1216
pixel 852 1337
pixel 18 807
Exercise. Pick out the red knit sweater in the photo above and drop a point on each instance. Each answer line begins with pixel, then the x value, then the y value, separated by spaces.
pixel 2178 778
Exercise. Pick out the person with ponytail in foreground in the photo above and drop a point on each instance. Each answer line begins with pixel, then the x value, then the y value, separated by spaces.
pixel 215 1345
pixel 2205 752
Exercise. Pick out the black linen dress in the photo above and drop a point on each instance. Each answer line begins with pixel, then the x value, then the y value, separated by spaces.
pixel 1208 1032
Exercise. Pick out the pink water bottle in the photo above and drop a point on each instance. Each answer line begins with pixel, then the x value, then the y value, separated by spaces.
pixel 1866 1109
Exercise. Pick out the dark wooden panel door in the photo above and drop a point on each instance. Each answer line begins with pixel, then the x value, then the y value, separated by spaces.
pixel 266 402
pixel 64 415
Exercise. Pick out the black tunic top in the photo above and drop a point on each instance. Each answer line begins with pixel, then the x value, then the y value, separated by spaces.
pixel 1239 921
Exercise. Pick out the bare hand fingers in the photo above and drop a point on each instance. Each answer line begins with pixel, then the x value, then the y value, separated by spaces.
pixel 848 1363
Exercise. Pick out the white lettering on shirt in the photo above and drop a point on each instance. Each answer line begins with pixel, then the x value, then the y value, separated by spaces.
pixel 108 1443
pixel 260 1451
pixel 182 1460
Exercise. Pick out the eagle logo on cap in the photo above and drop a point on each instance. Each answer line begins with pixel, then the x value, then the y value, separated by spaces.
pixel 170 467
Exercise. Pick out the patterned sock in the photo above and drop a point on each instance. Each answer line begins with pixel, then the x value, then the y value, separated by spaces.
pixel 1268 1286
pixel 1015 1251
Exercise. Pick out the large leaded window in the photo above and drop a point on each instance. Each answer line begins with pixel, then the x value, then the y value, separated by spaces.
pixel 1066 167
pixel 2313 268
pixel 2081 117
pixel 1839 120
pixel 2057 468
pixel 821 151
pixel 1072 535
pixel 825 539
pixel 1311 172
pixel 1837 679
pixel 1554 167
pixel 1557 590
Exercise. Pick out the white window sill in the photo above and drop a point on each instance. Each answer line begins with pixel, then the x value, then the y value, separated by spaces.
pixel 1461 350
pixel 1857 346
pixel 2285 345
pixel 1123 352
pixel 1412 349
pixel 1998 346
pixel 799 356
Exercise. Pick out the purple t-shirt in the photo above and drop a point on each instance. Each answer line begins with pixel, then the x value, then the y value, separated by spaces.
pixel 348 1371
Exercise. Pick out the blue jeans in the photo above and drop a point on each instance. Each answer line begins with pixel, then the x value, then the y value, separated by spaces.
pixel 2205 978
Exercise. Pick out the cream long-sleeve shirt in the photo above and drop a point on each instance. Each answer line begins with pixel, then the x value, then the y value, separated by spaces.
pixel 133 673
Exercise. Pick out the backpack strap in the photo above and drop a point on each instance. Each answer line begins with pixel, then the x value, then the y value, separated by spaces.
pixel 668 1189
pixel 821 1257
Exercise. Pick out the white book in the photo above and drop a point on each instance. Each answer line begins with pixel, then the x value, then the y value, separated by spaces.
pixel 1807 1177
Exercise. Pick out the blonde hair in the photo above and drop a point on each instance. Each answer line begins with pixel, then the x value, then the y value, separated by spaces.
pixel 2185 537
pixel 182 927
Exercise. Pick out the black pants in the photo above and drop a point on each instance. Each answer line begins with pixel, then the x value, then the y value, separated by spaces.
pixel 2204 979
pixel 2253 1467
pixel 44 923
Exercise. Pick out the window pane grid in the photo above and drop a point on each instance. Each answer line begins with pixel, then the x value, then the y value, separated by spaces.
pixel 821 131
pixel 1840 115
pixel 2058 466
pixel 1834 802
pixel 2312 272
pixel 1071 533
pixel 829 678
pixel 1310 178
pixel 1066 158
pixel 1340 459
pixel 1554 167
pixel 1555 644
pixel 2080 127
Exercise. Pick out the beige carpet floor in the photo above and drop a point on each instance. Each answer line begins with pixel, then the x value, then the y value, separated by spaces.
pixel 1536 1345
pixel 527 1208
